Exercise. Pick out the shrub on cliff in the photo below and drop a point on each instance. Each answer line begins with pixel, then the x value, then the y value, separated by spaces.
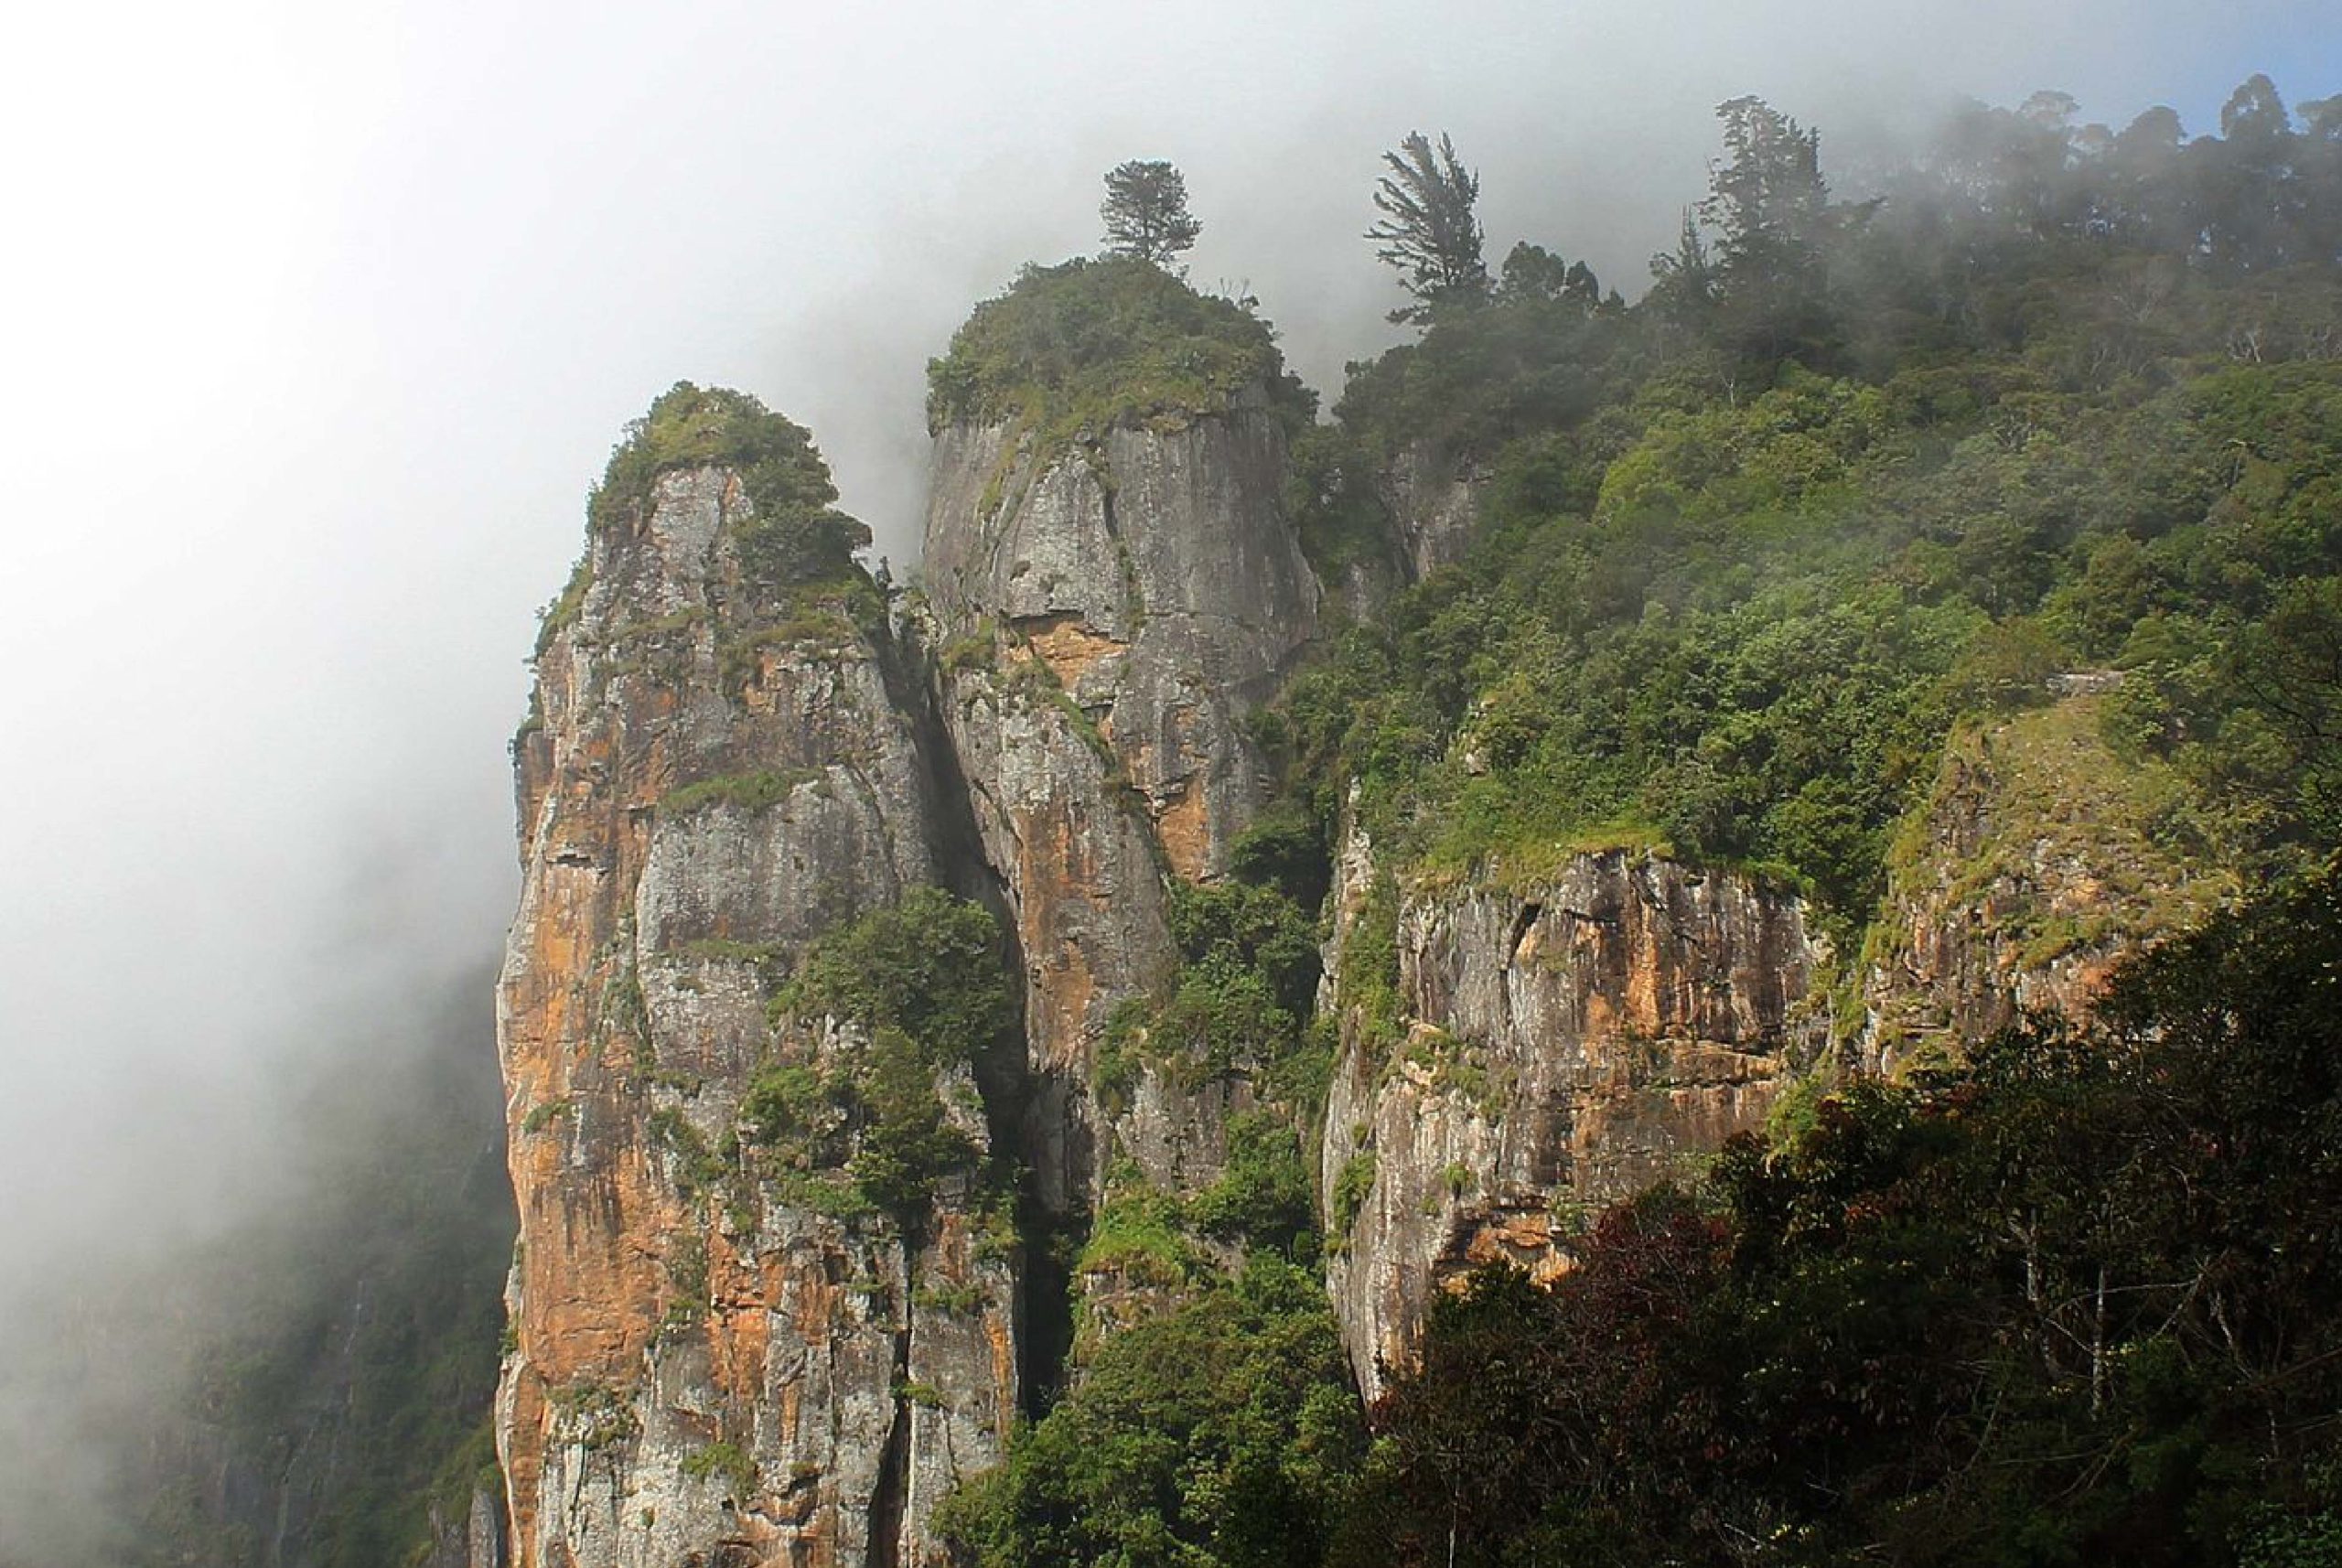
pixel 1221 1435
pixel 796 535
pixel 1088 344
pixel 930 965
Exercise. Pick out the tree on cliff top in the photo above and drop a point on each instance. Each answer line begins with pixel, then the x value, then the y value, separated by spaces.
pixel 1428 230
pixel 1145 212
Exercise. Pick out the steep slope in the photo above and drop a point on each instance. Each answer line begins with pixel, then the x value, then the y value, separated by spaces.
pixel 2039 859
pixel 723 1350
pixel 1516 1059
pixel 1114 586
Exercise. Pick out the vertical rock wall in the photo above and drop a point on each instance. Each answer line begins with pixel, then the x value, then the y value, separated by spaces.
pixel 709 1365
pixel 1556 1048
pixel 1108 615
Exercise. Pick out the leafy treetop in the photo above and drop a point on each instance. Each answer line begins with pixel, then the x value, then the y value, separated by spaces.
pixel 1095 343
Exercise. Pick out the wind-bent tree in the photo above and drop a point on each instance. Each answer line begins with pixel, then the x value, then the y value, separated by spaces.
pixel 1428 230
pixel 1145 212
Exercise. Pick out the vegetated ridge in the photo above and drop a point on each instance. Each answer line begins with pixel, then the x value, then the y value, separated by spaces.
pixel 1696 931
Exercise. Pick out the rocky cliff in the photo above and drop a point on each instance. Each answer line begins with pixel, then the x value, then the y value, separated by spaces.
pixel 717 1355
pixel 1433 499
pixel 787 1268
pixel 1514 1059
pixel 1110 609
pixel 2039 858
pixel 724 1351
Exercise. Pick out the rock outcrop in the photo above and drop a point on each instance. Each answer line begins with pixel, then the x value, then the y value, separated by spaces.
pixel 1433 502
pixel 721 1355
pixel 1539 1053
pixel 713 1360
pixel 2038 860
pixel 1108 613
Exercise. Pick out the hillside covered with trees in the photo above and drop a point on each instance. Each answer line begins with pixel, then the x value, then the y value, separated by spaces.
pixel 2014 477
pixel 2052 408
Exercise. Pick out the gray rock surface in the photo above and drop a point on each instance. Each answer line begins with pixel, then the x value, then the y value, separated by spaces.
pixel 1433 502
pixel 713 1361
pixel 1110 613
pixel 1560 1046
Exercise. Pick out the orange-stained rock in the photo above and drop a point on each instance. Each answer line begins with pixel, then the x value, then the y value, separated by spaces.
pixel 1152 571
pixel 1569 1042
pixel 704 1367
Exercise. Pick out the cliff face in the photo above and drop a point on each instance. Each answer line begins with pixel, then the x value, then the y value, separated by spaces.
pixel 2039 859
pixel 1550 1050
pixel 1108 613
pixel 1433 502
pixel 725 1350
pixel 712 1359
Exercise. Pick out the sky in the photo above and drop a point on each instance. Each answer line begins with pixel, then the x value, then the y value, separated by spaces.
pixel 319 321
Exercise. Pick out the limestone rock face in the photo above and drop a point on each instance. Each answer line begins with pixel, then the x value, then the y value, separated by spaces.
pixel 1075 857
pixel 1108 613
pixel 1556 1049
pixel 2039 859
pixel 1155 574
pixel 708 1363
pixel 1433 502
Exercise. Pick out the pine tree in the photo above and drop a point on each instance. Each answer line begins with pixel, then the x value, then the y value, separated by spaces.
pixel 1145 212
pixel 1428 229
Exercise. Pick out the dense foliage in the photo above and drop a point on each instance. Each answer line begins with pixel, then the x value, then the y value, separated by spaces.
pixel 1856 483
pixel 2076 1305
pixel 1221 1433
pixel 1748 550
pixel 1088 344
pixel 925 980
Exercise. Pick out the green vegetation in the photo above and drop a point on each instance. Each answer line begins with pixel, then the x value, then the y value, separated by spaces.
pixel 794 533
pixel 795 548
pixel 2074 1305
pixel 1087 344
pixel 1773 611
pixel 741 792
pixel 1351 1185
pixel 1139 1235
pixel 930 965
pixel 1219 1434
pixel 563 612
pixel 1145 212
pixel 1240 1004
pixel 725 1462
pixel 1428 233
pixel 924 978
pixel 1264 1193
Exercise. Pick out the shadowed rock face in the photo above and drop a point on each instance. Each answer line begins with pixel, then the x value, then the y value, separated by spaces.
pixel 2024 881
pixel 1120 606
pixel 1155 572
pixel 1560 1047
pixel 706 1366
pixel 1432 500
